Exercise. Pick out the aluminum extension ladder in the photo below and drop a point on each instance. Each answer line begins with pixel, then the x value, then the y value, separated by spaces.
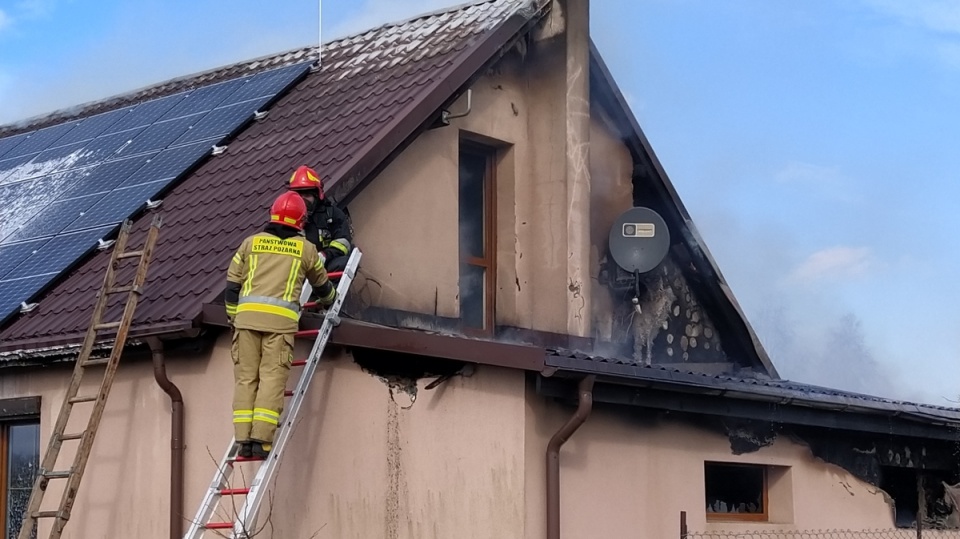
pixel 74 474
pixel 244 525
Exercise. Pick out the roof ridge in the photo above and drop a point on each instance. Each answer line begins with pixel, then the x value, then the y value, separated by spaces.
pixel 215 74
pixel 414 18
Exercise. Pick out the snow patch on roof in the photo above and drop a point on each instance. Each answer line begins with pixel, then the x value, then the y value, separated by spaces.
pixel 29 187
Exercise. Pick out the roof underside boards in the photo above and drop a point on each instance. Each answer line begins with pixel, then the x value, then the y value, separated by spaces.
pixel 780 392
pixel 373 91
pixel 65 186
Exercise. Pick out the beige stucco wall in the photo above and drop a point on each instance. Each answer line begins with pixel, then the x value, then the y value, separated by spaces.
pixel 625 474
pixel 406 219
pixel 363 463
pixel 463 460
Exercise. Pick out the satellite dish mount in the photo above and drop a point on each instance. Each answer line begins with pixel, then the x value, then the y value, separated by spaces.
pixel 638 243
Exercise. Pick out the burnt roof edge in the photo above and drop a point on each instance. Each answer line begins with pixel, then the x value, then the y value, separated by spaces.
pixel 640 146
pixel 777 398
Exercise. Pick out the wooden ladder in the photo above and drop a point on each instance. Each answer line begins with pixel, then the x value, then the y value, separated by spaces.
pixel 74 474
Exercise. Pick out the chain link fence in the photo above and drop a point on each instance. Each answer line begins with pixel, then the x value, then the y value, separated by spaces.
pixel 888 533
pixel 827 534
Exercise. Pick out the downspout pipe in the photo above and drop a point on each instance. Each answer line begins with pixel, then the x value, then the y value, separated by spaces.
pixel 176 437
pixel 584 406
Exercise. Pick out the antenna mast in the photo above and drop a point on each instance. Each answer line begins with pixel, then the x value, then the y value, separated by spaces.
pixel 319 33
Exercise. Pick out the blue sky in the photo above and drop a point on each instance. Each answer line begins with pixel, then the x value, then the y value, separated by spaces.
pixel 814 143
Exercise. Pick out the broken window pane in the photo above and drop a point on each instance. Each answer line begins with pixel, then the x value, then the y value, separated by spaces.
pixel 735 489
pixel 473 170
pixel 23 456
pixel 472 292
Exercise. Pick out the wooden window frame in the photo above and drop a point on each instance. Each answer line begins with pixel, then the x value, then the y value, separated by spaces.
pixel 489 261
pixel 15 411
pixel 743 517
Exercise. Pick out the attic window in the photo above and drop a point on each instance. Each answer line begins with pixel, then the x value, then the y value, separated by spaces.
pixel 736 492
pixel 477 238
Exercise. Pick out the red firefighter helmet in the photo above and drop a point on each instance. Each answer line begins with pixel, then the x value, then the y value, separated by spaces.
pixel 306 179
pixel 288 209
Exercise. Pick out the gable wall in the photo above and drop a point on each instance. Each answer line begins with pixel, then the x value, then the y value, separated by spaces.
pixel 406 219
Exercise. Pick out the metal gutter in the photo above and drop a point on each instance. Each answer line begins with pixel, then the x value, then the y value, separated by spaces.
pixel 676 381
pixel 176 437
pixel 183 328
pixel 656 396
pixel 584 407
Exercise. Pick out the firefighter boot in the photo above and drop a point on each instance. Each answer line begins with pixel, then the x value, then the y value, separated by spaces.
pixel 246 450
pixel 261 449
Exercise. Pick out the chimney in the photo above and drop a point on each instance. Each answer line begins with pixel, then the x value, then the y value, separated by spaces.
pixel 576 14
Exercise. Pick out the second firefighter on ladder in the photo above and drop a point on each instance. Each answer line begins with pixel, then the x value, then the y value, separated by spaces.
pixel 264 283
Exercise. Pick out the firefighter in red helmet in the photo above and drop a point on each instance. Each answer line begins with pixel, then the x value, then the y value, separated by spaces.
pixel 326 226
pixel 262 299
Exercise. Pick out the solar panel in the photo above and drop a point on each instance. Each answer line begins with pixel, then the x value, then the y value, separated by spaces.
pixel 106 147
pixel 40 140
pixel 10 168
pixel 204 99
pixel 93 126
pixel 57 253
pixel 64 187
pixel 168 164
pixel 12 255
pixel 221 121
pixel 160 135
pixel 13 292
pixel 117 205
pixel 9 143
pixel 54 217
pixel 108 176
pixel 146 113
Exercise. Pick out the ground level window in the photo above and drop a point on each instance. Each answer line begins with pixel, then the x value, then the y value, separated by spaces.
pixel 736 491
pixel 19 459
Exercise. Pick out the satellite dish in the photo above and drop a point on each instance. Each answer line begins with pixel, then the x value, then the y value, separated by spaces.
pixel 639 240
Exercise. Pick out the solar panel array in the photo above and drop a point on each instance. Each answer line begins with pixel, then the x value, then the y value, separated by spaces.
pixel 64 187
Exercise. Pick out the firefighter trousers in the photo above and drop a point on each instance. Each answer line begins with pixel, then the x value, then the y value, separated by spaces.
pixel 261 366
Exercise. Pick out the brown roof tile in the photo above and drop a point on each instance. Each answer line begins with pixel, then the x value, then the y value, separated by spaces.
pixel 374 91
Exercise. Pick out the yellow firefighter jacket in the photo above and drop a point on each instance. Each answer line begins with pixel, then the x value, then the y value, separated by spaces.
pixel 270 272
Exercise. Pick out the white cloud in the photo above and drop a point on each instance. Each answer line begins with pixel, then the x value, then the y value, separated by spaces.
pixel 806 173
pixel 935 15
pixel 35 9
pixel 834 263
pixel 5 20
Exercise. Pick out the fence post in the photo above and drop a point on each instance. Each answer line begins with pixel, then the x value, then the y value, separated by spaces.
pixel 921 505
pixel 683 525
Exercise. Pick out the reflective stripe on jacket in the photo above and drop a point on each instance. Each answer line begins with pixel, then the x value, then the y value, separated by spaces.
pixel 270 272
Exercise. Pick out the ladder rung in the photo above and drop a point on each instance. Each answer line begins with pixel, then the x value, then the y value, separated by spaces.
pixel 57 475
pixel 234 491
pixel 218 525
pixel 130 254
pixel 87 398
pixel 48 514
pixel 107 325
pixel 299 363
pixel 121 289
pixel 74 436
pixel 307 333
pixel 247 459
pixel 288 393
pixel 95 362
